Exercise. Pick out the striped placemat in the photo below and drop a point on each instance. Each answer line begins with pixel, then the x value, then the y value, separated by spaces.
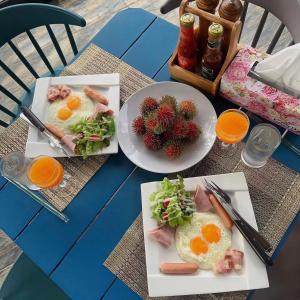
pixel 274 191
pixel 92 61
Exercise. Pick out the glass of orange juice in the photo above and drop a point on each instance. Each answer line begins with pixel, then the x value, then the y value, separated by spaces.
pixel 232 126
pixel 46 172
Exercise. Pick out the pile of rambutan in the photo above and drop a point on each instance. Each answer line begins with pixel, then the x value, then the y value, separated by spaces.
pixel 167 124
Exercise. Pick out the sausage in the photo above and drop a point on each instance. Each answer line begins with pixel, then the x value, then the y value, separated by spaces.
pixel 95 95
pixel 55 131
pixel 221 211
pixel 178 268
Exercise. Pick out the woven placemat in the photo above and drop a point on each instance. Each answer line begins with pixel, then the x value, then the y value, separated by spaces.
pixel 92 61
pixel 274 191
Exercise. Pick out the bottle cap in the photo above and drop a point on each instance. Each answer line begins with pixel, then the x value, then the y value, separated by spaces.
pixel 187 20
pixel 215 30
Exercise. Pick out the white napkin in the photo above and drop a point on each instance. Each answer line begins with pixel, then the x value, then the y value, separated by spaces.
pixel 282 69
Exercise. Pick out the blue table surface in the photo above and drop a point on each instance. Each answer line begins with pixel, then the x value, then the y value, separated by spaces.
pixel 72 254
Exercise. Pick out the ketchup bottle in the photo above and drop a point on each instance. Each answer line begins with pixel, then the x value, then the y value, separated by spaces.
pixel 187 48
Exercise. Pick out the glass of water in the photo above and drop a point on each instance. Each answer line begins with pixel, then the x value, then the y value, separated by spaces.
pixel 262 142
pixel 14 166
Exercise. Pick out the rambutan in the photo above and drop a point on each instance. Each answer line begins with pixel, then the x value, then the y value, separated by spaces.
pixel 138 125
pixel 152 124
pixel 167 136
pixel 173 149
pixel 152 141
pixel 187 109
pixel 165 116
pixel 148 105
pixel 180 129
pixel 193 131
pixel 170 101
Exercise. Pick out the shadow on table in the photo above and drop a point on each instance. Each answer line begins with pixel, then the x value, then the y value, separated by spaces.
pixel 26 281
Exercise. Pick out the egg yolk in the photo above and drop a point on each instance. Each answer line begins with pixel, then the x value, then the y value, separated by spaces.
pixel 64 113
pixel 211 233
pixel 73 102
pixel 198 246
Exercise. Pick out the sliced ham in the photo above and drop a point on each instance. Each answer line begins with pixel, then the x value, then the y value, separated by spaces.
pixel 101 108
pixel 237 258
pixel 225 265
pixel 164 235
pixel 68 141
pixel 95 95
pixel 201 199
pixel 53 93
pixel 58 92
pixel 233 260
pixel 64 91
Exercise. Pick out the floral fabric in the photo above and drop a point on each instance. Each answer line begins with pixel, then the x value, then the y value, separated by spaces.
pixel 257 97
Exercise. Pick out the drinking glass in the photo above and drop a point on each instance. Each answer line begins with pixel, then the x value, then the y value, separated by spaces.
pixel 262 142
pixel 43 172
pixel 231 127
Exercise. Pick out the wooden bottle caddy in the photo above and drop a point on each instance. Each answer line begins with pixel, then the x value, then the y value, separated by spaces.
pixel 229 45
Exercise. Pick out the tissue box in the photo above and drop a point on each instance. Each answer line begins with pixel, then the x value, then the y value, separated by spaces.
pixel 257 97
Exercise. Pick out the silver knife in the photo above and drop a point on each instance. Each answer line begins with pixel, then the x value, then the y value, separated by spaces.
pixel 244 230
pixel 227 200
pixel 53 141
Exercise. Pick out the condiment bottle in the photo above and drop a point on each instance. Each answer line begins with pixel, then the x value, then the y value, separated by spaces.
pixel 187 48
pixel 207 5
pixel 213 56
pixel 231 10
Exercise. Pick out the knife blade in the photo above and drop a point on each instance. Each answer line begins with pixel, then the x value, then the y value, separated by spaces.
pixel 53 141
pixel 244 230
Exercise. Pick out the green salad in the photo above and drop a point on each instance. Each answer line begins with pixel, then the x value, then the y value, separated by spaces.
pixel 93 134
pixel 171 204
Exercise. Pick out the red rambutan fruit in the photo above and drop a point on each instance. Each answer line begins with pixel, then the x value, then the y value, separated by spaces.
pixel 138 126
pixel 148 105
pixel 165 116
pixel 173 150
pixel 180 129
pixel 187 109
pixel 170 101
pixel 193 131
pixel 167 136
pixel 152 124
pixel 152 141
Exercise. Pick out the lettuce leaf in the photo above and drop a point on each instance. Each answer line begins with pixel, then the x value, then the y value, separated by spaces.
pixel 180 207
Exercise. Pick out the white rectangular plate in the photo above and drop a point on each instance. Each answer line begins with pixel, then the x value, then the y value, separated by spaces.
pixel 253 274
pixel 107 84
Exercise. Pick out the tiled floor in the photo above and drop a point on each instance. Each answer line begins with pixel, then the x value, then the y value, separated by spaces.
pixel 97 13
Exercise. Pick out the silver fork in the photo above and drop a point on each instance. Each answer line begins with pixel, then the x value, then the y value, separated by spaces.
pixel 264 243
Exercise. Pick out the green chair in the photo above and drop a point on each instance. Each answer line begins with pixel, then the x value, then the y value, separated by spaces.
pixel 22 18
pixel 27 282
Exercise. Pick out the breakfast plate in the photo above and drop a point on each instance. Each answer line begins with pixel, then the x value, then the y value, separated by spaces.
pixel 107 85
pixel 155 161
pixel 252 275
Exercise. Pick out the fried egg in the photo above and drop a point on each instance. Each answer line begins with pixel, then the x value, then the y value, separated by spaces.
pixel 203 241
pixel 63 113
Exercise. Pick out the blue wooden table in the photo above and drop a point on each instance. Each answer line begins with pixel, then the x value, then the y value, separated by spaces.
pixel 72 254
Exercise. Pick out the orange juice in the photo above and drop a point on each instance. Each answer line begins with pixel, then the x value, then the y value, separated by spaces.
pixel 45 172
pixel 232 126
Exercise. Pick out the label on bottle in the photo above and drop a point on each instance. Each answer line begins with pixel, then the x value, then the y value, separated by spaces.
pixel 207 72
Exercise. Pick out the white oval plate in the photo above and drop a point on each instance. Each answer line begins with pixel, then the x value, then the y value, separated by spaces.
pixel 133 146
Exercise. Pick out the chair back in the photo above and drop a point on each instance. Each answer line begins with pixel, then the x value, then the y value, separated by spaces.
pixel 287 11
pixel 21 18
